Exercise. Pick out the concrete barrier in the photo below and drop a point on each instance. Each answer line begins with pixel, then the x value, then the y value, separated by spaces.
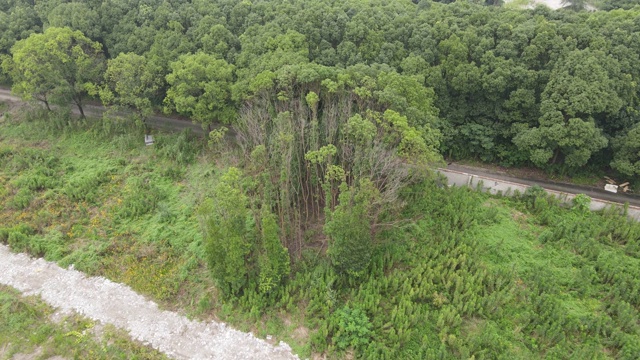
pixel 508 188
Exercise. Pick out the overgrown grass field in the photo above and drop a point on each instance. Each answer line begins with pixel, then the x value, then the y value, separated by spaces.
pixel 469 275
pixel 33 329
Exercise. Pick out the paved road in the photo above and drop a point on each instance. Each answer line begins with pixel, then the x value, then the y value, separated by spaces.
pixel 592 192
pixel 157 121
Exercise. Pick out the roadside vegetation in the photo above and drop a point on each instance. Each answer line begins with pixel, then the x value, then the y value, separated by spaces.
pixel 32 329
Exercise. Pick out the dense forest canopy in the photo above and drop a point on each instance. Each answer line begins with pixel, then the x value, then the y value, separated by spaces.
pixel 556 89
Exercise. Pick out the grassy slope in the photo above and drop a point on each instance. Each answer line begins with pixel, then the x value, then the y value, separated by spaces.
pixel 26 327
pixel 111 209
pixel 473 276
pixel 115 208
pixel 558 260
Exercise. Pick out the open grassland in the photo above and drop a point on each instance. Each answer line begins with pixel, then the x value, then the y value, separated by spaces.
pixel 34 330
pixel 468 275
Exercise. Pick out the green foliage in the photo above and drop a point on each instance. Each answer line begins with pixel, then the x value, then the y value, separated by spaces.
pixel 230 231
pixel 182 149
pixel 581 203
pixel 410 143
pixel 273 261
pixel 26 328
pixel 57 66
pixel 21 199
pixel 85 185
pixel 349 228
pixel 576 5
pixel 131 81
pixel 200 88
pixel 353 329
pixel 449 274
pixel 39 178
pixel 155 253
pixel 542 87
pixel 532 195
pixel 326 93
pixel 142 195
pixel 627 157
pixel 216 138
pixel 77 16
pixel 18 241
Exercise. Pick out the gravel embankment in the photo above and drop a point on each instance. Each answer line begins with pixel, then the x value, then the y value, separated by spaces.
pixel 108 302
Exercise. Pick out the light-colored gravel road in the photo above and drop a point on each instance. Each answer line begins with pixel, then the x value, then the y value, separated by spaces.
pixel 112 303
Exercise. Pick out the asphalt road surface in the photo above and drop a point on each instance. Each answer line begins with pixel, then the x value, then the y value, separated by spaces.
pixel 592 192
pixel 156 121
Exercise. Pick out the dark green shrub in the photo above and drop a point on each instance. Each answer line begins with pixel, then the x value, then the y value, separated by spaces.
pixel 581 203
pixel 274 258
pixel 39 178
pixel 353 328
pixel 182 148
pixel 29 158
pixel 174 173
pixel 18 241
pixel 21 199
pixel 50 246
pixel 6 153
pixel 4 235
pixel 84 185
pixel 59 120
pixel 349 228
pixel 490 215
pixel 532 194
pixel 142 196
pixel 229 232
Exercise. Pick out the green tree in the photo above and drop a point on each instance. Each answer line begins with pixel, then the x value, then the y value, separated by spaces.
pixel 131 81
pixel 77 16
pixel 626 157
pixel 57 66
pixel 17 24
pixel 200 88
pixel 168 44
pixel 617 4
pixel 229 230
pixel 574 138
pixel 349 227
pixel 273 260
pixel 582 87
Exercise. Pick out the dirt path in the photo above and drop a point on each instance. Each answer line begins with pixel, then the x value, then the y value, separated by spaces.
pixel 108 302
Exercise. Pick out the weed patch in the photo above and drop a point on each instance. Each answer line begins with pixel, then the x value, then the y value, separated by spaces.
pixel 26 328
pixel 84 185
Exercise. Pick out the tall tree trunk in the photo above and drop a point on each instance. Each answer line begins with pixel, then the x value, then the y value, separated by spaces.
pixel 78 102
pixel 555 156
pixel 81 111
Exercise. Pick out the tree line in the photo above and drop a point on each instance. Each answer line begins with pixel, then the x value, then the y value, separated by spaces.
pixel 555 89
